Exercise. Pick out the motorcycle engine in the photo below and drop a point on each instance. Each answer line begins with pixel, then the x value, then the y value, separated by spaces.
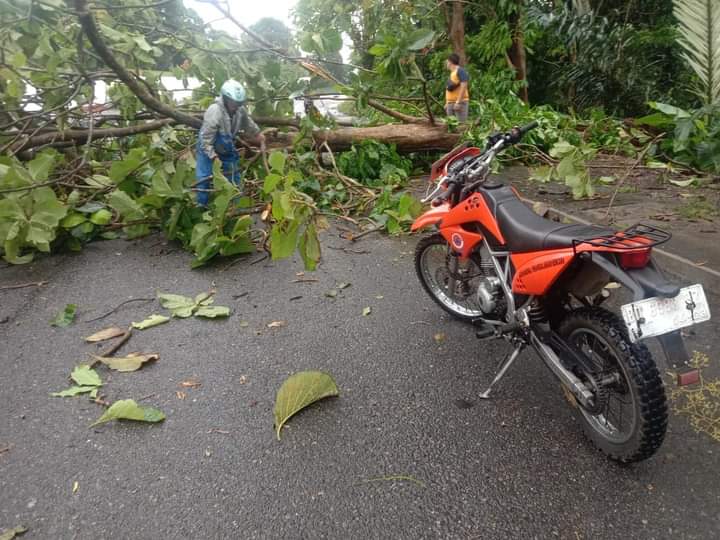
pixel 490 296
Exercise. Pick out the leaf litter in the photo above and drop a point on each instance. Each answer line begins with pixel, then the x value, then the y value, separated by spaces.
pixel 128 409
pixel 107 333
pixel 131 362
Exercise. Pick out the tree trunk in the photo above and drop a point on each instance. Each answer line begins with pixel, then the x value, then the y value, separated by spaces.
pixel 456 30
pixel 516 52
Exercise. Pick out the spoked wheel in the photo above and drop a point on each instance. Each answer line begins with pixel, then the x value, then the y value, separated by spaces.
pixel 629 417
pixel 451 283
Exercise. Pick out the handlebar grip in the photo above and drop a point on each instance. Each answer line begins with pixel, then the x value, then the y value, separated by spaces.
pixel 527 127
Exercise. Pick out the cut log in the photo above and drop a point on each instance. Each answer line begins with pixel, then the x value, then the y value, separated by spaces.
pixel 406 137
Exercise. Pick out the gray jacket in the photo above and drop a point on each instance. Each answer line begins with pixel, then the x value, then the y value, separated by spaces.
pixel 218 122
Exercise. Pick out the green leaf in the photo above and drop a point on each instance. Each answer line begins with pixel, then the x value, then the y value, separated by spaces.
pixel 128 208
pixel 65 317
pixel 421 39
pixel 299 391
pixel 101 217
pixel 366 311
pixel 277 161
pixel 73 220
pixel 41 166
pixel 120 169
pixel 179 306
pixel 131 362
pixel 213 312
pixel 152 320
pixel 309 247
pixel 9 534
pixel 675 112
pixel 283 240
pixel 127 409
pixel 682 183
pixel 74 391
pixel 271 182
pixel 84 375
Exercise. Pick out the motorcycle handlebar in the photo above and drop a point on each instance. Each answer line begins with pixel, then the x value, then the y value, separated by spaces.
pixel 527 127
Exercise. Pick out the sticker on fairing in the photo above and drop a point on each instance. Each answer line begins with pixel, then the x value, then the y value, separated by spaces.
pixel 457 241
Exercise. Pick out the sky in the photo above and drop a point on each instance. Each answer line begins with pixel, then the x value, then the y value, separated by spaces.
pixel 247 12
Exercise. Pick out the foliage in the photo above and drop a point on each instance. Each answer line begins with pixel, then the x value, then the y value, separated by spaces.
pixel 374 164
pixel 128 409
pixel 200 306
pixel 694 139
pixel 699 24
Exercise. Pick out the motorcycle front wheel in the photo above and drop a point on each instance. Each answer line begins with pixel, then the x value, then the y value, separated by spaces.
pixel 630 418
pixel 451 283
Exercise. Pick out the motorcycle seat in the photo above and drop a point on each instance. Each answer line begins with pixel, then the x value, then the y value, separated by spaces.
pixel 526 231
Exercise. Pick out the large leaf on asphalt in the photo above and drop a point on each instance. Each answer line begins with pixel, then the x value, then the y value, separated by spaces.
pixel 300 390
pixel 212 312
pixel 65 317
pixel 179 306
pixel 74 391
pixel 84 375
pixel 102 335
pixel 131 362
pixel 9 534
pixel 127 409
pixel 152 320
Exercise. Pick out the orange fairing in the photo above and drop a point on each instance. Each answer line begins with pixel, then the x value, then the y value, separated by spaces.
pixel 474 210
pixel 536 272
pixel 461 241
pixel 431 217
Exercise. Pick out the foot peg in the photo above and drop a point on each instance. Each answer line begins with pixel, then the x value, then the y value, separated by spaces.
pixel 485 332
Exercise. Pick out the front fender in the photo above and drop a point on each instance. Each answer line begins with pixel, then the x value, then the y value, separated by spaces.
pixel 431 217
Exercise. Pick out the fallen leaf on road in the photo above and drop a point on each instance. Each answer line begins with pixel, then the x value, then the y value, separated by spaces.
pixel 75 391
pixel 379 297
pixel 211 312
pixel 76 486
pixel 190 384
pixel 439 338
pixel 276 324
pixel 131 362
pixel 300 390
pixel 184 306
pixel 243 379
pixel 65 317
pixel 244 324
pixel 332 293
pixel 9 534
pixel 152 320
pixel 108 333
pixel 180 394
pixel 300 274
pixel 127 409
pixel 343 285
pixel 84 375
pixel 366 311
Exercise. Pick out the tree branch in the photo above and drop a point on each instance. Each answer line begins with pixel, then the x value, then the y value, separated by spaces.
pixel 87 21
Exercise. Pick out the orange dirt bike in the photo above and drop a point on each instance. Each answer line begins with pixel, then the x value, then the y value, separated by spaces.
pixel 539 283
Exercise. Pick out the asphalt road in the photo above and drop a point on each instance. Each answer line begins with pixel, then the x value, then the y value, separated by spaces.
pixel 515 466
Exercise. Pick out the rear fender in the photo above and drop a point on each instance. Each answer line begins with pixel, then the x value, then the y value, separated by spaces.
pixel 644 283
pixel 431 217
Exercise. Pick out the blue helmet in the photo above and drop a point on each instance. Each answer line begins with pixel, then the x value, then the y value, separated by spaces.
pixel 232 89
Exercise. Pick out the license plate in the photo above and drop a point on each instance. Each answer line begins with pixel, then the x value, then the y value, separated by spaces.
pixel 658 316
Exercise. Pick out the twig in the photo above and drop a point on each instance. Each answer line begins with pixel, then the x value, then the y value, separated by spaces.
pixel 23 285
pixel 147 397
pixel 118 307
pixel 637 162
pixel 114 348
pixel 6 449
pixel 304 280
pixel 348 250
pixel 260 259
pixel 356 237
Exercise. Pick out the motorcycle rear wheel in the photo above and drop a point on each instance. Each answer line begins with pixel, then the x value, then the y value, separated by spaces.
pixel 431 264
pixel 632 425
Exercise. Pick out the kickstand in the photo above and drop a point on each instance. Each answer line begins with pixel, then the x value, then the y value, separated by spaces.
pixel 504 366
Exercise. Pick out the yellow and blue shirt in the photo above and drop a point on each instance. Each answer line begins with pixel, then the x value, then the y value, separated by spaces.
pixel 453 86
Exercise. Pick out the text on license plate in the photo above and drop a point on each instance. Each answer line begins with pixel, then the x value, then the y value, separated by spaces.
pixel 658 316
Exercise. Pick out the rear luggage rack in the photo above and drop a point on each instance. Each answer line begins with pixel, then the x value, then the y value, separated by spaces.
pixel 637 236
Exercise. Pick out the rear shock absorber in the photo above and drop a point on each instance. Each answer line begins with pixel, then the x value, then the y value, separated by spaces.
pixel 537 313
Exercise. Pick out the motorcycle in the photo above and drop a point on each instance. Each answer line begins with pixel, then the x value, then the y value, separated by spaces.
pixel 542 284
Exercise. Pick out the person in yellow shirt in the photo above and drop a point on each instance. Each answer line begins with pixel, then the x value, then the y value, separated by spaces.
pixel 457 96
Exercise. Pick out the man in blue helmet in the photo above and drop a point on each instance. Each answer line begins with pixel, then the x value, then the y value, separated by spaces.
pixel 223 121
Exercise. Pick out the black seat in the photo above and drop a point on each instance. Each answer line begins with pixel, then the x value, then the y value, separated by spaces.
pixel 524 230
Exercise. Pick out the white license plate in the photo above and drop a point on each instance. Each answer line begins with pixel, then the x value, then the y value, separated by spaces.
pixel 658 316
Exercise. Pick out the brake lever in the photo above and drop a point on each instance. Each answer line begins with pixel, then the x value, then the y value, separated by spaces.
pixel 434 192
